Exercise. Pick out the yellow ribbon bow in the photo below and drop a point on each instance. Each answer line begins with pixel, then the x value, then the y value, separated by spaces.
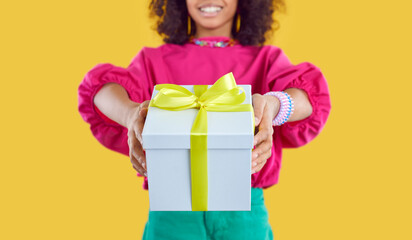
pixel 223 96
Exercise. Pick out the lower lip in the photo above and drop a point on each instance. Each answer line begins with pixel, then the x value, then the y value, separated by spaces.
pixel 209 14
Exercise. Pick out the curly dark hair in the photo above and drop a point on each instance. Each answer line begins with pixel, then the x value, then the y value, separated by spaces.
pixel 256 20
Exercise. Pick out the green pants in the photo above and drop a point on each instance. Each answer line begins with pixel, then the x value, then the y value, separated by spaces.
pixel 214 225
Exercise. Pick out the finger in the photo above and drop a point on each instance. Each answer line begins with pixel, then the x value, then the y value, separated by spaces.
pixel 134 160
pixel 263 134
pixel 261 150
pixel 261 161
pixel 138 153
pixel 135 149
pixel 259 167
pixel 139 126
pixel 137 166
pixel 137 170
pixel 258 107
pixel 262 157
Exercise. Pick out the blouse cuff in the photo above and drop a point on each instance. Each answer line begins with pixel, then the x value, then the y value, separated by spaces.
pixel 109 133
pixel 298 133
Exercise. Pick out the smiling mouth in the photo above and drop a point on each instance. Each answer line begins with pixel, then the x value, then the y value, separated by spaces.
pixel 210 10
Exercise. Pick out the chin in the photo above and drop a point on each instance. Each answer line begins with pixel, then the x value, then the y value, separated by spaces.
pixel 210 25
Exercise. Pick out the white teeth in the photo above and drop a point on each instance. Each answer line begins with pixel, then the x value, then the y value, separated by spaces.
pixel 210 9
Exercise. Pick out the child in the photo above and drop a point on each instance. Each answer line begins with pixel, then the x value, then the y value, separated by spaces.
pixel 204 40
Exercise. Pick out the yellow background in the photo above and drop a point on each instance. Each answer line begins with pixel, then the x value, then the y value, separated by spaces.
pixel 58 182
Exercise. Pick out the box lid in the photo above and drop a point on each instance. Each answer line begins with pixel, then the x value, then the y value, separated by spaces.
pixel 165 129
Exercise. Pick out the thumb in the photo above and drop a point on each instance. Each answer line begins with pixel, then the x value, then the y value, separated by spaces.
pixel 143 112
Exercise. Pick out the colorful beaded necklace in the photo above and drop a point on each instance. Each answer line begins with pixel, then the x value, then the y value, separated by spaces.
pixel 213 43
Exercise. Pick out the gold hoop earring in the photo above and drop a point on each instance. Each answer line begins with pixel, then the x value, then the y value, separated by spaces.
pixel 238 22
pixel 189 25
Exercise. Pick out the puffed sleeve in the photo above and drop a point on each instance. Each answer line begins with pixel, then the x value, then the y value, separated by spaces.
pixel 134 80
pixel 305 76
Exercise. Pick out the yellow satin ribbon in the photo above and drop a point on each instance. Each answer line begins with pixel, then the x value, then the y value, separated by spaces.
pixel 223 96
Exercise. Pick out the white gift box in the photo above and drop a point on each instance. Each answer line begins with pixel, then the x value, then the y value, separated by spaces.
pixel 166 140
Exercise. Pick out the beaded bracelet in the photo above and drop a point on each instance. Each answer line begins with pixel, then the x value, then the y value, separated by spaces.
pixel 286 107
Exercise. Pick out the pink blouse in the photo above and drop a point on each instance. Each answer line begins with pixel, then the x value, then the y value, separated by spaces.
pixel 266 68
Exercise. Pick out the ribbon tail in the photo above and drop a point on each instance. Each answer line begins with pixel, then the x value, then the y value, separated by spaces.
pixel 198 161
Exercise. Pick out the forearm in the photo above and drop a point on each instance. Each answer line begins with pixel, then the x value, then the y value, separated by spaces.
pixel 113 101
pixel 303 108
